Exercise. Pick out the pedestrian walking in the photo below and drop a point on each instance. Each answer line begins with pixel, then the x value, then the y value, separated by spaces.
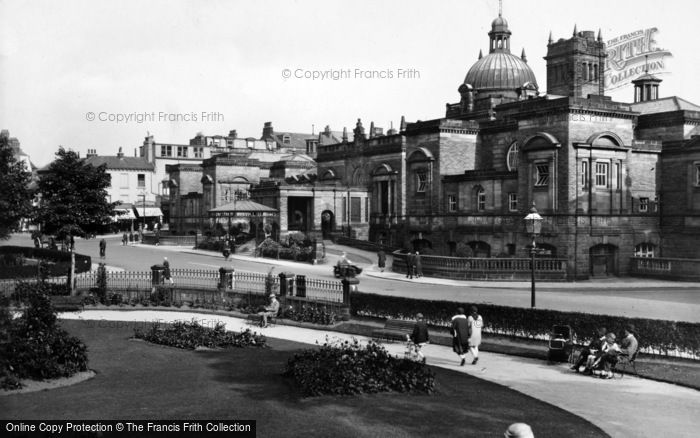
pixel 475 323
pixel 103 248
pixel 125 239
pixel 381 260
pixel 166 270
pixel 460 335
pixel 410 264
pixel 418 264
pixel 227 250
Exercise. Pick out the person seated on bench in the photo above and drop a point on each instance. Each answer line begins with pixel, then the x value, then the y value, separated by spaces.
pixel 270 310
pixel 420 336
pixel 629 344
pixel 595 345
pixel 607 357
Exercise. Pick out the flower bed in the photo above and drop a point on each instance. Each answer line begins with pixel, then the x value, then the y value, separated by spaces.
pixel 349 368
pixel 667 338
pixel 190 335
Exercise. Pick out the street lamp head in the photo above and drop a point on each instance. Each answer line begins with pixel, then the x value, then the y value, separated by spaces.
pixel 533 221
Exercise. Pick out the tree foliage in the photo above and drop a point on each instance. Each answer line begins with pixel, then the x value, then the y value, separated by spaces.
pixel 15 195
pixel 73 197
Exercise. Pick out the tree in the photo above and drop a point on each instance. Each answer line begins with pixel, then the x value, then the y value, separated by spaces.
pixel 73 197
pixel 15 195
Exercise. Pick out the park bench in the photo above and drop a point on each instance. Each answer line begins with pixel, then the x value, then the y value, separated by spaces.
pixel 67 303
pixel 394 330
pixel 255 319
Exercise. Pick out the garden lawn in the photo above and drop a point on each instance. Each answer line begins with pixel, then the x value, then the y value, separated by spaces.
pixel 138 380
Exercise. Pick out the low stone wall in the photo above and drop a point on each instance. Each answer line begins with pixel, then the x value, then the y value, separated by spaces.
pixel 665 268
pixel 150 239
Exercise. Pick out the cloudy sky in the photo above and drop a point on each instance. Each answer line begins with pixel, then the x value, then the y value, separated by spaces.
pixel 63 60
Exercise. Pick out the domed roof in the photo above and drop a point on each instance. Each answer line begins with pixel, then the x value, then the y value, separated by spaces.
pixel 499 24
pixel 499 70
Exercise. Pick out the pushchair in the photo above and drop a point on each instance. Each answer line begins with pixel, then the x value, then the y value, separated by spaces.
pixel 561 344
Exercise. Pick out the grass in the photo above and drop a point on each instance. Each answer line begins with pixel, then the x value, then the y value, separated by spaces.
pixel 138 380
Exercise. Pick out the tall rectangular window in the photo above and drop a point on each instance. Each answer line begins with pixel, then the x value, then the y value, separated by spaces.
pixel 355 209
pixel 198 151
pixel 343 210
pixel 643 205
pixel 123 180
pixel 421 181
pixel 601 174
pixel 542 175
pixel 182 151
pixel 141 178
pixel 697 174
pixel 166 150
pixel 512 202
pixel 617 176
pixel 481 200
pixel 367 209
pixel 585 177
pixel 451 203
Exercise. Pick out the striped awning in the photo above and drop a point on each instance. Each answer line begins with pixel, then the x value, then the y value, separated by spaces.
pixel 148 211
pixel 124 214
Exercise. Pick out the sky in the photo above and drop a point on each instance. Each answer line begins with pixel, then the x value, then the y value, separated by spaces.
pixel 102 74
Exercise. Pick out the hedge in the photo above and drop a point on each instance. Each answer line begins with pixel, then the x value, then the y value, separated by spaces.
pixel 668 338
pixel 60 262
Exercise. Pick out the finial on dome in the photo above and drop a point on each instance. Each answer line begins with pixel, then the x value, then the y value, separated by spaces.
pixel 481 55
pixel 575 29
pixel 550 37
pixel 500 7
pixel 522 56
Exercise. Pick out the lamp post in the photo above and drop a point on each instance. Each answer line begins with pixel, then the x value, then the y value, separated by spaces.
pixel 533 224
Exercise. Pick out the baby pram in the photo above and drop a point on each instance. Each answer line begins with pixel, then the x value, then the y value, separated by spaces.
pixel 561 344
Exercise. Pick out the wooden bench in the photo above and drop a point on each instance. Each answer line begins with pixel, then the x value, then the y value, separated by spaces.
pixel 394 330
pixel 255 319
pixel 67 303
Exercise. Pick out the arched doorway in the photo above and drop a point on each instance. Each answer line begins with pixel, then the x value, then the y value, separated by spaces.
pixel 603 260
pixel 327 223
pixel 480 249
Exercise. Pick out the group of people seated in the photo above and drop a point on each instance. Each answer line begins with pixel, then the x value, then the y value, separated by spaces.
pixel 603 352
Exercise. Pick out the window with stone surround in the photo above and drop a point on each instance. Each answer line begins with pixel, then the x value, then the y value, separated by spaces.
pixel 123 180
pixel 585 177
pixel 451 203
pixel 542 176
pixel 602 172
pixel 512 202
pixel 421 181
pixel 141 179
pixel 355 209
pixel 481 199
pixel 643 205
pixel 644 250
pixel 512 157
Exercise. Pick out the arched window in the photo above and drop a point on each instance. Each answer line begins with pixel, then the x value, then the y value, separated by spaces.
pixel 481 199
pixel 512 157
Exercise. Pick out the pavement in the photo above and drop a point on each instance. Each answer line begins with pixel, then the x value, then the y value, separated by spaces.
pixel 628 407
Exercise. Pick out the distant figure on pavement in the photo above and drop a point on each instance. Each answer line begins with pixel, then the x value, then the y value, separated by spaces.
pixel 475 323
pixel 420 336
pixel 166 270
pixel 103 248
pixel 410 264
pixel 460 335
pixel 381 260
pixel 418 263
pixel 519 430
pixel 125 239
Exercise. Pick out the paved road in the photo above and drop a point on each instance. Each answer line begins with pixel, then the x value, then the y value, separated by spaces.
pixel 628 407
pixel 616 296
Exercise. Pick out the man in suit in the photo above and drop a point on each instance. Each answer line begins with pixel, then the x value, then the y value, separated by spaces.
pixel 460 335
pixel 595 344
pixel 629 344
pixel 410 264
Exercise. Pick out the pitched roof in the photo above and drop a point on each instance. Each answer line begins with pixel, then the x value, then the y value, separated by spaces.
pixel 296 140
pixel 243 205
pixel 121 163
pixel 663 105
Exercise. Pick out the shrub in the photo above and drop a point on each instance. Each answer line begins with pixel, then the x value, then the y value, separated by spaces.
pixel 349 368
pixel 312 315
pixel 657 336
pixel 34 346
pixel 190 335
